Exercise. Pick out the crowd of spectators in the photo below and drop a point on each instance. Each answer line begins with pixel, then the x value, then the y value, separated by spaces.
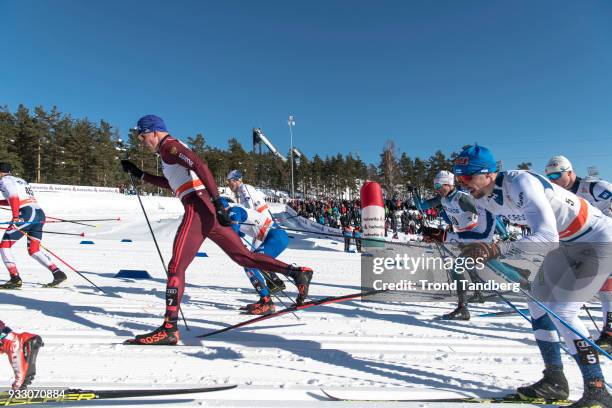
pixel 127 189
pixel 331 212
pixel 400 216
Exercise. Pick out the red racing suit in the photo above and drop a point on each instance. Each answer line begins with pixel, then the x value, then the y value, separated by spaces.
pixel 193 183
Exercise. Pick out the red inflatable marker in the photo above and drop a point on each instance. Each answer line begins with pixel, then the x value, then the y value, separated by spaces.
pixel 372 214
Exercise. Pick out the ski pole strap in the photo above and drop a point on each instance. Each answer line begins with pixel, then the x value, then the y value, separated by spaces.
pixel 503 269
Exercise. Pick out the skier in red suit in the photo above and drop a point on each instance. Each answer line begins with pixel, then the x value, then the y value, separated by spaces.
pixel 193 183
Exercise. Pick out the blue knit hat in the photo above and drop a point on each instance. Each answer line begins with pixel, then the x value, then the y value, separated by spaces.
pixel 151 123
pixel 474 159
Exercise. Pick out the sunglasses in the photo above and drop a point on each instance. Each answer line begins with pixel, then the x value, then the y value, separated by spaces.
pixel 464 179
pixel 555 176
pixel 437 186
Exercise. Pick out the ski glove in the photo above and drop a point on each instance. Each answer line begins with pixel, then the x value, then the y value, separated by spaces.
pixel 480 250
pixel 221 213
pixel 433 234
pixel 131 168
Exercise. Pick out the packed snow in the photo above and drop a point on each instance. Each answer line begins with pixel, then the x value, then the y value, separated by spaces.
pixel 363 346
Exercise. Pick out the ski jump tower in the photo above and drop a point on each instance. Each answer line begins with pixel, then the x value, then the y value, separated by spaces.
pixel 259 138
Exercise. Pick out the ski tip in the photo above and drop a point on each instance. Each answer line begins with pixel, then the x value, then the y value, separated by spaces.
pixel 82 234
pixel 329 395
pixel 118 218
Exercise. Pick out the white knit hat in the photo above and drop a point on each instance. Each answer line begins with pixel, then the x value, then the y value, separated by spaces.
pixel 445 177
pixel 558 164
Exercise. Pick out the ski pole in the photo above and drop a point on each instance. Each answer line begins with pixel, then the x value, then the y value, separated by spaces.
pixel 155 241
pixel 586 308
pixel 516 309
pixel 448 273
pixel 81 221
pixel 82 234
pixel 274 294
pixel 498 267
pixel 92 220
pixel 551 313
pixel 58 219
pixel 60 259
pixel 497 293
pixel 440 246
pixel 286 218
pixel 283 303
pixel 72 222
pixel 53 222
pixel 330 234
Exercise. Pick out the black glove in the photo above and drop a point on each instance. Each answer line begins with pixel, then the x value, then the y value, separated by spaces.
pixel 433 234
pixel 220 212
pixel 131 168
pixel 485 251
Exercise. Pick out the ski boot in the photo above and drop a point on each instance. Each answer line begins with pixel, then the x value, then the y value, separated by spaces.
pixel 22 350
pixel 476 297
pixel 302 276
pixel 265 306
pixel 605 342
pixel 58 277
pixel 552 387
pixel 14 283
pixel 460 313
pixel 274 283
pixel 595 395
pixel 165 335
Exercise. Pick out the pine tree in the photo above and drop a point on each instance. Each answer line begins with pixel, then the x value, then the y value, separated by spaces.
pixel 197 144
pixel 389 168
pixel 436 163
pixel 524 166
pixel 9 152
pixel 26 142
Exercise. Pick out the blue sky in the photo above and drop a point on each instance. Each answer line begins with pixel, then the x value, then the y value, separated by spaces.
pixel 527 79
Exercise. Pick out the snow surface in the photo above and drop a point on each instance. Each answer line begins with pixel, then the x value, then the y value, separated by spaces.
pixel 279 362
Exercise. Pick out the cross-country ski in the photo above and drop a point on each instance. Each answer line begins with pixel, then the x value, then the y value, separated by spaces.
pixel 75 395
pixel 432 396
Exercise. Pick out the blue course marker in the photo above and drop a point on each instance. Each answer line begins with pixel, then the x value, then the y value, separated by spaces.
pixel 86 242
pixel 133 274
pixel 202 255
pixel 126 240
